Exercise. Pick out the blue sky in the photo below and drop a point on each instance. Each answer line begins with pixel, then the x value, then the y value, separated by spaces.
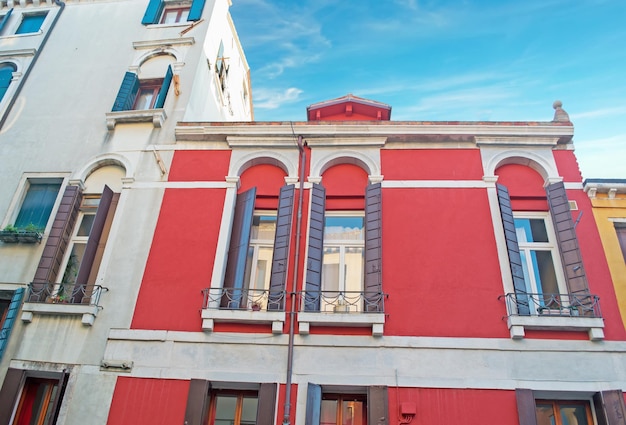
pixel 448 60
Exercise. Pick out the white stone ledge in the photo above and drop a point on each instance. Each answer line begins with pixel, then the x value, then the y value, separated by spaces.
pixel 593 325
pixel 275 318
pixel 88 312
pixel 155 116
pixel 375 320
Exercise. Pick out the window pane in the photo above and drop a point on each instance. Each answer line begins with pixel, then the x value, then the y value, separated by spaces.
pixel 263 227
pixel 73 263
pixel 30 23
pixel 343 228
pixel 545 414
pixel 329 412
pixel 170 17
pixel 85 225
pixel 144 99
pixel 248 411
pixel 574 414
pixel 352 413
pixel 531 230
pixel 544 272
pixel 37 205
pixel 225 409
pixel 354 269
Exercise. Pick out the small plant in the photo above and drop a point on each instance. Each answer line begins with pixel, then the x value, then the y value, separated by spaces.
pixel 32 228
pixel 10 228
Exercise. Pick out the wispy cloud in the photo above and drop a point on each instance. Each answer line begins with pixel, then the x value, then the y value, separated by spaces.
pixel 275 98
pixel 603 112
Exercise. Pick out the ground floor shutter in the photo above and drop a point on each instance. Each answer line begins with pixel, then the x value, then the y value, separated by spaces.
pixel 266 410
pixel 13 381
pixel 526 409
pixel 313 404
pixel 197 402
pixel 377 405
pixel 11 317
pixel 610 409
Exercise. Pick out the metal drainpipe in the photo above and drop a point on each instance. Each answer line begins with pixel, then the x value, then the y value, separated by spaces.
pixel 292 293
pixel 32 63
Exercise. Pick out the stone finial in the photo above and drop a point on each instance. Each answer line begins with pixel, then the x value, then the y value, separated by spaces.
pixel 559 112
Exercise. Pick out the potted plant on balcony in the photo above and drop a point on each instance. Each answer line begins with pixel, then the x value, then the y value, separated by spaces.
pixel 9 234
pixel 30 234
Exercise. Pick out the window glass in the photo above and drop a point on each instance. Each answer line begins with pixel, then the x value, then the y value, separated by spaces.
pixel 31 23
pixel 37 204
pixel 147 95
pixel 37 401
pixel 234 409
pixel 172 15
pixel 259 259
pixel 343 410
pixel 6 74
pixel 620 229
pixel 563 412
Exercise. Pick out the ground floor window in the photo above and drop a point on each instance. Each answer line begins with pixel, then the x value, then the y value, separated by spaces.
pixel 233 408
pixel 563 412
pixel 343 409
pixel 37 402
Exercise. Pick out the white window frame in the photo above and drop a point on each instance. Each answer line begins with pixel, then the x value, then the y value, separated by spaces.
pixel 255 245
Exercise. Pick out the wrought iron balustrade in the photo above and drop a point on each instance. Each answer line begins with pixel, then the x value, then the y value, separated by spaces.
pixel 59 294
pixel 243 299
pixel 342 301
pixel 564 305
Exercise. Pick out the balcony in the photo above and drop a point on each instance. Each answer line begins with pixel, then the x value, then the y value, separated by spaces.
pixel 566 312
pixel 342 309
pixel 54 299
pixel 256 306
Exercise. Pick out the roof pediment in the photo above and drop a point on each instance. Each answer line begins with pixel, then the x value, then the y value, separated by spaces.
pixel 349 108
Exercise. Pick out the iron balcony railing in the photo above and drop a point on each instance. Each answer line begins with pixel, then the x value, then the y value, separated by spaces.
pixel 342 301
pixel 568 305
pixel 56 294
pixel 243 299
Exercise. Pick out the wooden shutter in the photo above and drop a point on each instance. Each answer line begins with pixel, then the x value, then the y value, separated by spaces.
pixel 197 402
pixel 526 409
pixel 56 404
pixel 56 245
pixel 153 12
pixel 9 393
pixel 610 409
pixel 160 100
pixel 266 410
pixel 5 19
pixel 377 406
pixel 195 12
pixel 316 249
pixel 280 257
pixel 128 92
pixel 104 208
pixel 9 321
pixel 566 238
pixel 238 249
pixel 515 260
pixel 373 286
pixel 313 404
pixel 620 229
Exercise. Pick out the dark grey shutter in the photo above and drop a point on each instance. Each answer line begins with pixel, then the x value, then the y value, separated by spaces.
pixel 9 393
pixel 377 406
pixel 515 260
pixel 526 409
pixel 373 286
pixel 92 245
pixel 5 19
pixel 313 404
pixel 316 249
pixel 610 409
pixel 282 241
pixel 153 12
pixel 125 99
pixel 238 250
pixel 265 413
pixel 56 403
pixel 195 12
pixel 197 402
pixel 56 245
pixel 566 238
pixel 9 321
pixel 160 100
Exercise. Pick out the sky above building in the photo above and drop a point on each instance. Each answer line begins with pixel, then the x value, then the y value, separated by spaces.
pixel 438 60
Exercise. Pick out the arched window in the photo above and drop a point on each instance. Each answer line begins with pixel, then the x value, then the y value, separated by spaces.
pixel 6 74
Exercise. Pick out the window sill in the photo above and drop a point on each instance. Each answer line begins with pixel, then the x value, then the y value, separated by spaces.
pixel 275 318
pixel 88 312
pixel 374 320
pixel 593 325
pixel 156 116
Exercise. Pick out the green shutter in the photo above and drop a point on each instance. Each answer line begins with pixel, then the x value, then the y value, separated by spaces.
pixel 160 101
pixel 7 326
pixel 5 19
pixel 153 12
pixel 195 12
pixel 127 93
pixel 37 205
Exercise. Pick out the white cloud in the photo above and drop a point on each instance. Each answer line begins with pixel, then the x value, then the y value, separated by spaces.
pixel 274 98
pixel 603 112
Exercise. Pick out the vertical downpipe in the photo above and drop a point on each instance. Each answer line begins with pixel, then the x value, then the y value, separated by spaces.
pixel 294 286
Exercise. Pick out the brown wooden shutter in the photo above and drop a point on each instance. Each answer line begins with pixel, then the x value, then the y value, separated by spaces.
pixel 282 241
pixel 56 404
pixel 313 404
pixel 196 412
pixel 56 245
pixel 515 260
pixel 620 229
pixel 526 408
pixel 95 235
pixel 610 409
pixel 373 285
pixel 377 406
pixel 266 410
pixel 9 394
pixel 316 249
pixel 238 249
pixel 566 238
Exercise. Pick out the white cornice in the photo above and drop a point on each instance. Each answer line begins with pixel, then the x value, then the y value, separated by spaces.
pixel 516 140
pixel 153 44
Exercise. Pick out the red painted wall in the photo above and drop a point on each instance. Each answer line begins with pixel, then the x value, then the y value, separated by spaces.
pixel 148 401
pixel 345 187
pixel 199 165
pixel 525 186
pixel 440 264
pixel 280 408
pixel 567 164
pixel 268 179
pixel 455 406
pixel 431 164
